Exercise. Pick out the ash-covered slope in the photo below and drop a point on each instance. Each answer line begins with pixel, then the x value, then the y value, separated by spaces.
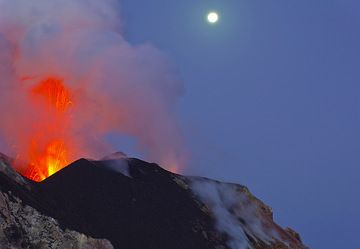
pixel 138 205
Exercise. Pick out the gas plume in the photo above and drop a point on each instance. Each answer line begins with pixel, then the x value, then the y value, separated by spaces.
pixel 68 78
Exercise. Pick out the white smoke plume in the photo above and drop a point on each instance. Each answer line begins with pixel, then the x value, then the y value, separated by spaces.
pixel 117 88
pixel 236 214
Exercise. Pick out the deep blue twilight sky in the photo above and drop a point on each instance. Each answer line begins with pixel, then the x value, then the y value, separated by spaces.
pixel 272 102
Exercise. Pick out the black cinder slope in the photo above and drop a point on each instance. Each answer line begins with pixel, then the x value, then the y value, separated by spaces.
pixel 146 210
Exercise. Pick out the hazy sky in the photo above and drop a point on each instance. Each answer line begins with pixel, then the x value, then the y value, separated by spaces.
pixel 271 102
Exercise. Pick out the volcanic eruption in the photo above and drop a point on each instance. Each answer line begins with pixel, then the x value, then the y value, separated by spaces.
pixel 69 80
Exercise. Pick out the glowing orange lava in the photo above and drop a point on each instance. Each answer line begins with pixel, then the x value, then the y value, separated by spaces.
pixel 48 161
pixel 55 93
pixel 48 151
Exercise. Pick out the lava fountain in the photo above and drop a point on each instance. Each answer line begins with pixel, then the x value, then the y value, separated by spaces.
pixel 48 151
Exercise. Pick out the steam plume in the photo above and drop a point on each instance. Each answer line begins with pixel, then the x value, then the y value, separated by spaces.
pixel 113 87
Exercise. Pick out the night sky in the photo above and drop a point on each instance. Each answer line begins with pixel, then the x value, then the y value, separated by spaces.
pixel 271 102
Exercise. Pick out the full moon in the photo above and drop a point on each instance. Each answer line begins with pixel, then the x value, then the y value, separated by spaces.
pixel 213 17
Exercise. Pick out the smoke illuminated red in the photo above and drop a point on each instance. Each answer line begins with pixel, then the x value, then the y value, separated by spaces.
pixel 48 151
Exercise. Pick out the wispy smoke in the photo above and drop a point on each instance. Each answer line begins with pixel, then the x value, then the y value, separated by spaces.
pixel 117 87
pixel 236 213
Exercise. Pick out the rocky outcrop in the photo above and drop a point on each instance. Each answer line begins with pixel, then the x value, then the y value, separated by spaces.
pixel 21 226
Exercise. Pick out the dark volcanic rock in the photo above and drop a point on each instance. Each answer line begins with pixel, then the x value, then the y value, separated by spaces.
pixel 138 205
pixel 148 210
